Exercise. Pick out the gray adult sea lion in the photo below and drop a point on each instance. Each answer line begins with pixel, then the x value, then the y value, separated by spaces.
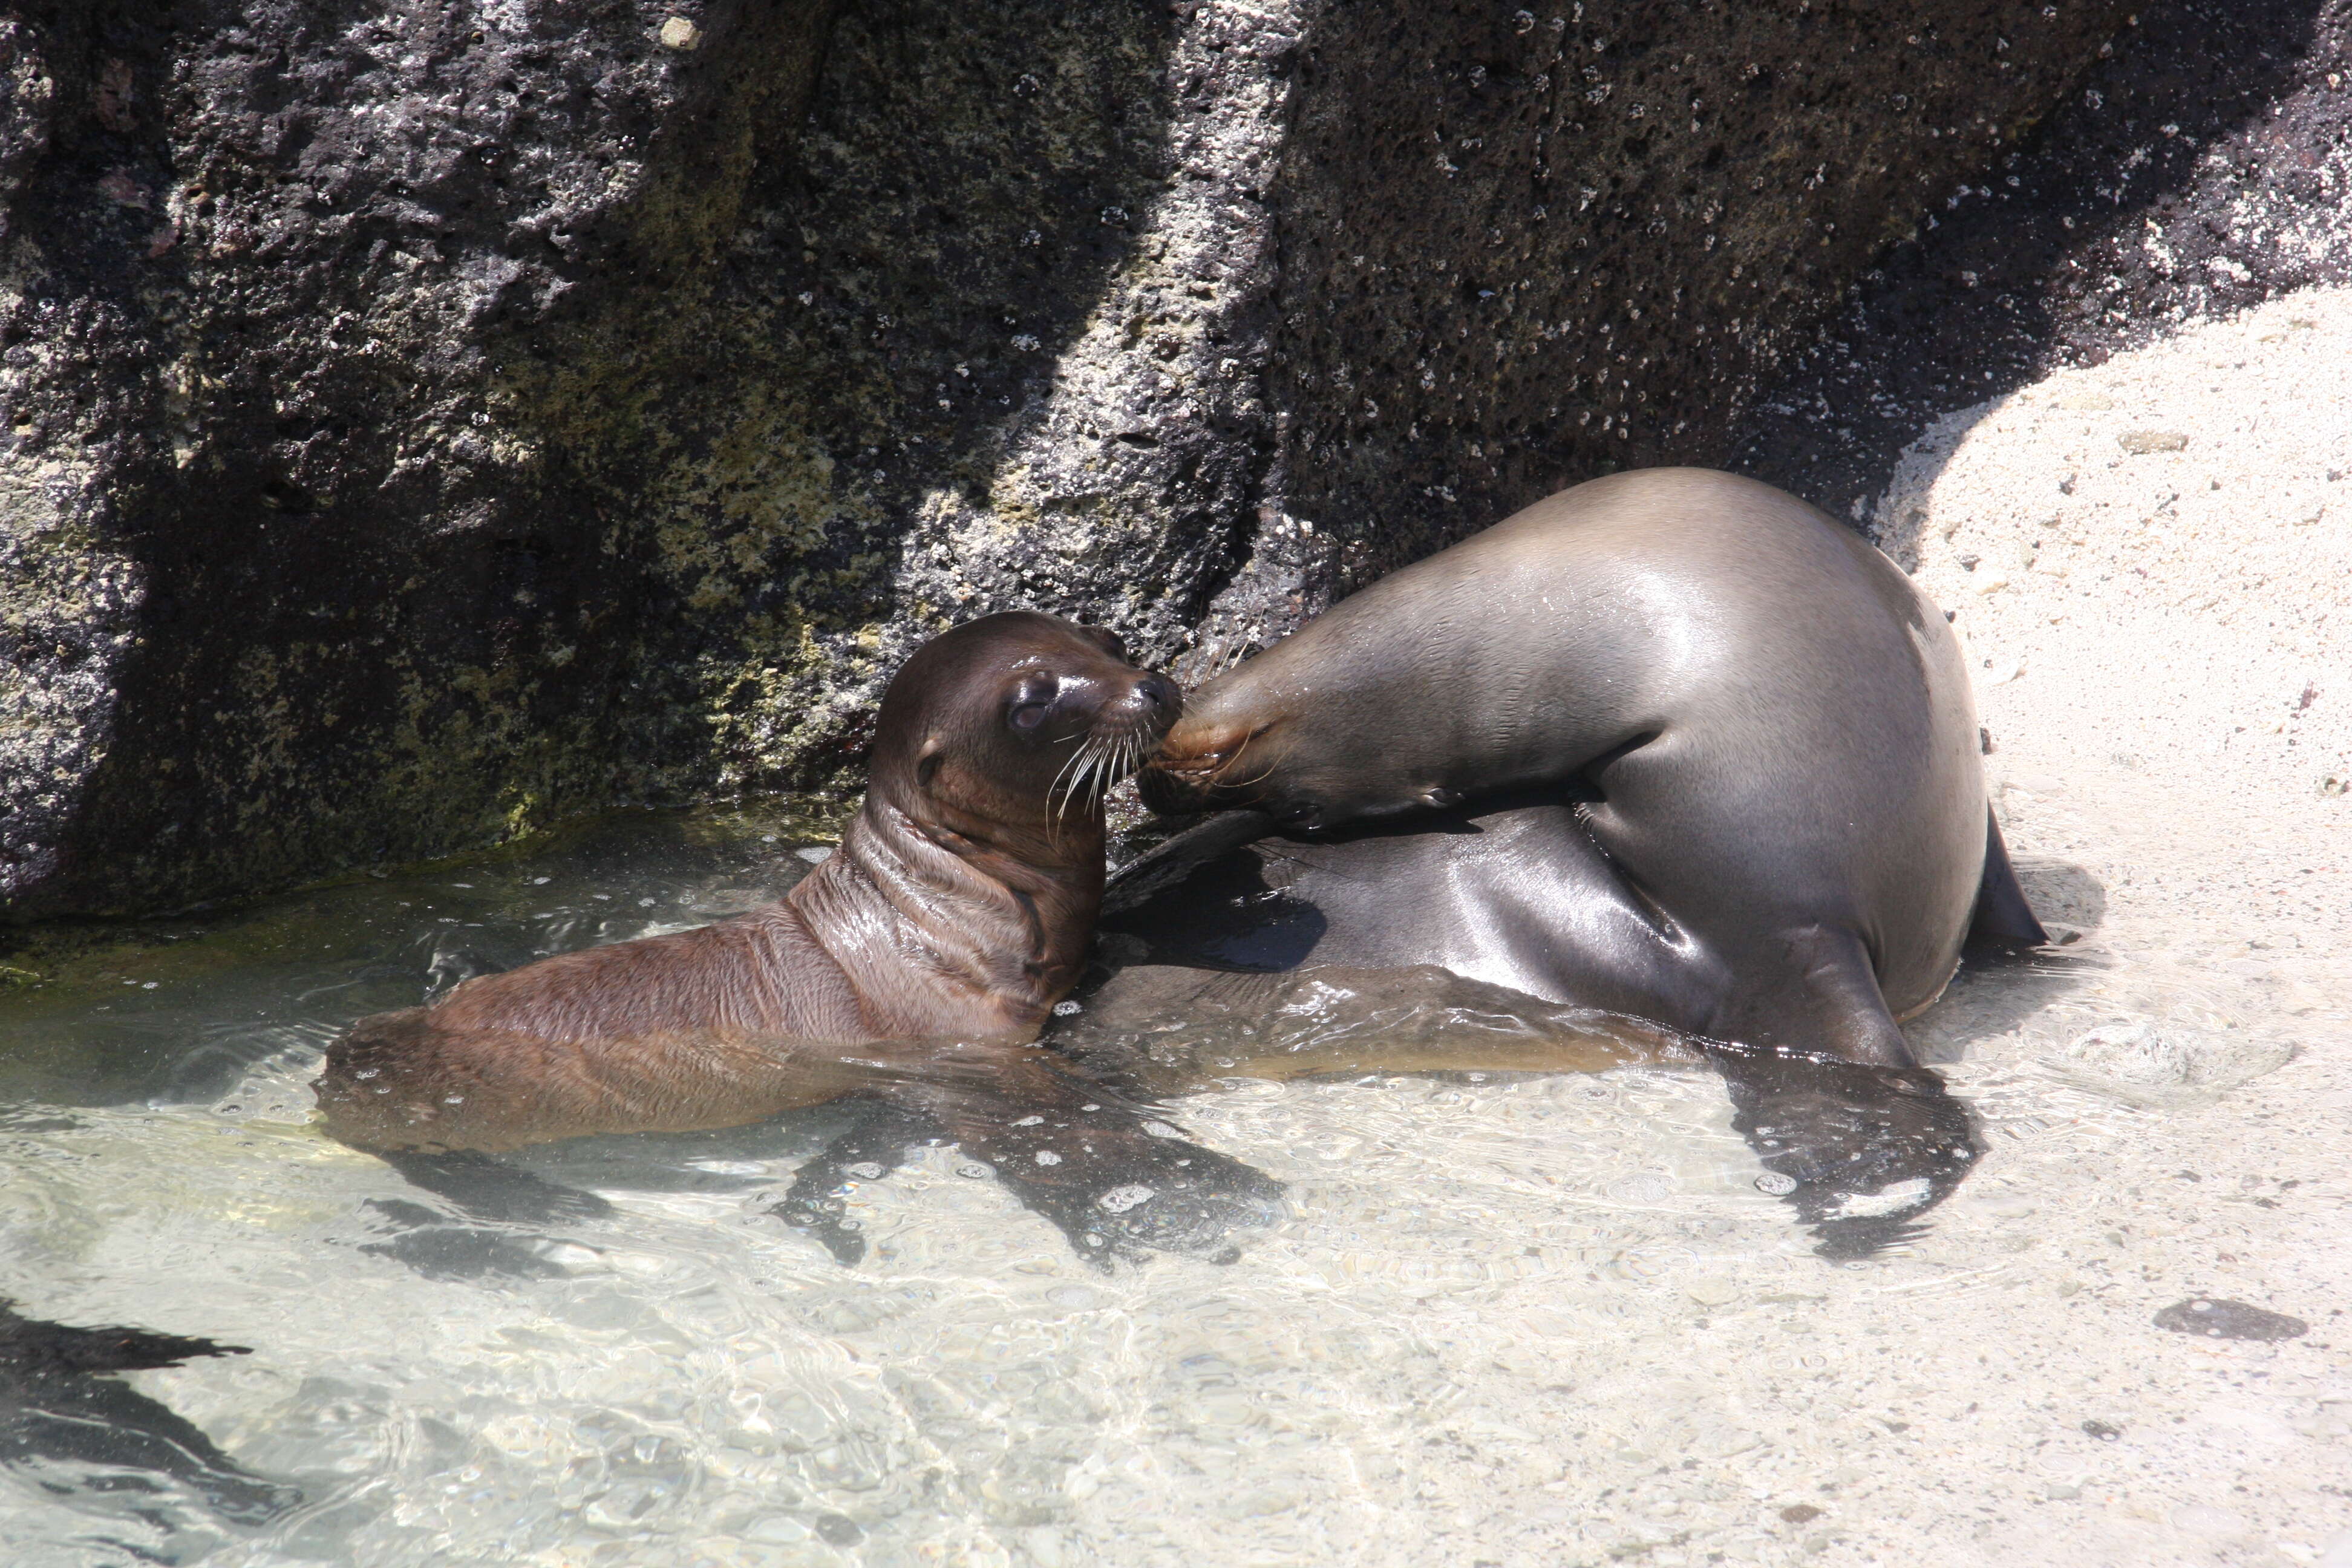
pixel 1671 744
pixel 1766 730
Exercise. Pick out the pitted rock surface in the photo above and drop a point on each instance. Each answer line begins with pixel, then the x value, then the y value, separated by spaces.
pixel 425 422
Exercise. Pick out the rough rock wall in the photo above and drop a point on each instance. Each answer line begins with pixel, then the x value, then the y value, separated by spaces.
pixel 293 572
pixel 2203 166
pixel 426 420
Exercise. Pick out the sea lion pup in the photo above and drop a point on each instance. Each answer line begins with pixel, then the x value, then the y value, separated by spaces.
pixel 932 944
pixel 1722 765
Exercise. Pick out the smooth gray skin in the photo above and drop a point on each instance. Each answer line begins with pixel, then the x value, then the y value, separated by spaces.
pixel 1779 829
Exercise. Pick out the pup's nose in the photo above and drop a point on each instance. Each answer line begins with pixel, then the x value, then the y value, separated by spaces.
pixel 1163 694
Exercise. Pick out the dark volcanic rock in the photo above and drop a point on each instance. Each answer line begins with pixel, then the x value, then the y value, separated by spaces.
pixel 2203 165
pixel 426 420
pixel 296 572
pixel 2218 1318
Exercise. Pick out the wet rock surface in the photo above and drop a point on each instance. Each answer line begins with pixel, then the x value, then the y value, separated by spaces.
pixel 425 423
pixel 297 570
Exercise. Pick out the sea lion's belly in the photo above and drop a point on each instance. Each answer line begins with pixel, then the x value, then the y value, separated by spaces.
pixel 1521 898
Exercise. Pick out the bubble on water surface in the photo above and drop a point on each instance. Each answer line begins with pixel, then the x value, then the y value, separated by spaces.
pixel 1643 1187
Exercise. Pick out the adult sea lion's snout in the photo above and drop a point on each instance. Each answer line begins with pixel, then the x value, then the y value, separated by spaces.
pixel 1207 761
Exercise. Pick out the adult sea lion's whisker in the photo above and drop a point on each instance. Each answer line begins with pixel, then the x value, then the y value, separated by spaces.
pixel 1218 778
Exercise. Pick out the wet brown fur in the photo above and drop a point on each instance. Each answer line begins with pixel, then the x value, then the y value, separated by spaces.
pixel 954 915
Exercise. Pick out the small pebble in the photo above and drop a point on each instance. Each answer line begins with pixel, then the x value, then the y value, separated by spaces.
pixel 677 33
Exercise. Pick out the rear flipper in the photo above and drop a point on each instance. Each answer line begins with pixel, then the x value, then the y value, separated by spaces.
pixel 1860 1151
pixel 2003 919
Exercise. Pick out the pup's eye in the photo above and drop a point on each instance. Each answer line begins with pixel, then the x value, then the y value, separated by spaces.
pixel 1028 715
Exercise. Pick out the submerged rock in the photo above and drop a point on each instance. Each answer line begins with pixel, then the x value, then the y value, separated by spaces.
pixel 2213 1316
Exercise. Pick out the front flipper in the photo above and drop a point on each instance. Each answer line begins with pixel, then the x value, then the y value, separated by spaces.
pixel 1112 1176
pixel 869 1150
pixel 488 1188
pixel 1166 866
pixel 1860 1151
pixel 1119 1182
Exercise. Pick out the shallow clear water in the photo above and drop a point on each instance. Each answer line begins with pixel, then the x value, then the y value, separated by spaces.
pixel 1512 1318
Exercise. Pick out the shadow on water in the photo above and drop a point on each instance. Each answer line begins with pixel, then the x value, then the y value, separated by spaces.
pixel 1106 1167
pixel 69 1423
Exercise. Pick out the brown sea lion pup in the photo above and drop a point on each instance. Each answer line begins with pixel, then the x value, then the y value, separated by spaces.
pixel 914 965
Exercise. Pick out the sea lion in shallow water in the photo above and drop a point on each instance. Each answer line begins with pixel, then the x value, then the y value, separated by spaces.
pixel 914 965
pixel 1672 743
pixel 1764 731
